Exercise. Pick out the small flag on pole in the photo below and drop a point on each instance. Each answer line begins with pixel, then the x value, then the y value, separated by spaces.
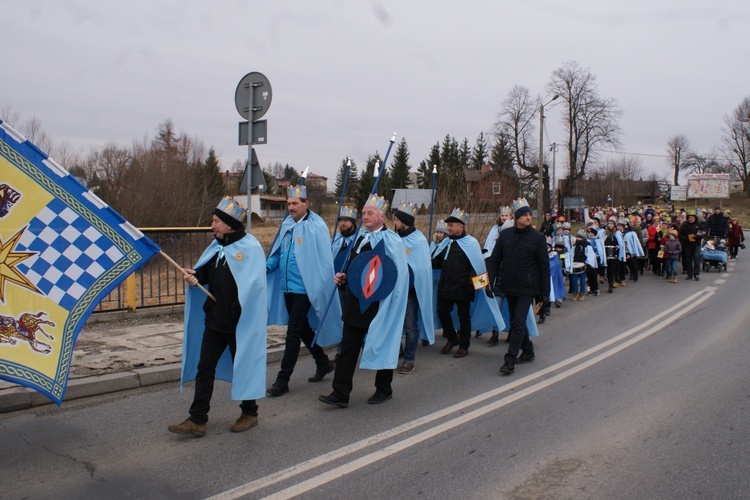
pixel 62 250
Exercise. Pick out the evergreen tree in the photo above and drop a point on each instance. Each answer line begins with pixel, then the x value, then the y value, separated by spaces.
pixel 479 153
pixel 352 181
pixel 367 180
pixel 424 175
pixel 464 155
pixel 291 174
pixel 501 154
pixel 399 174
pixel 210 186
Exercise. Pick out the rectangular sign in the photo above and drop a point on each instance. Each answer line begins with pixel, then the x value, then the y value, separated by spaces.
pixel 678 193
pixel 260 132
pixel 708 186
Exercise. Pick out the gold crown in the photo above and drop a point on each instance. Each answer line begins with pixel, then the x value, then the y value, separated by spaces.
pixel 506 210
pixel 297 192
pixel 378 202
pixel 441 227
pixel 458 214
pixel 348 212
pixel 232 209
pixel 408 209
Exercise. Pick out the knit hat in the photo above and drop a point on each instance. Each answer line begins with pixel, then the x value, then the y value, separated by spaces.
pixel 520 208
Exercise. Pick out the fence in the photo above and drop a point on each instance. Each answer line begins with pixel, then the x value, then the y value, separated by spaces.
pixel 158 283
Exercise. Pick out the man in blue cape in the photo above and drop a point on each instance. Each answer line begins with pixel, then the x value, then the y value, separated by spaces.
pixel 226 338
pixel 341 242
pixel 504 220
pixel 300 271
pixel 377 280
pixel 463 285
pixel 418 323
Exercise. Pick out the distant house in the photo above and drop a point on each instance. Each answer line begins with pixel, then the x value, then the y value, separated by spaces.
pixel 490 187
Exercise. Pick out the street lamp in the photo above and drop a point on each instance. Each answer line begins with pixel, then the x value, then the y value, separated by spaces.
pixel 540 178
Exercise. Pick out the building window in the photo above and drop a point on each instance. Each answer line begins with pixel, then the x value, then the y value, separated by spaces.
pixel 495 188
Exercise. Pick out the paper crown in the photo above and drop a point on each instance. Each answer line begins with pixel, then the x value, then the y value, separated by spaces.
pixel 297 192
pixel 441 227
pixel 232 209
pixel 378 202
pixel 566 225
pixel 348 213
pixel 408 209
pixel 457 215
pixel 520 203
pixel 506 210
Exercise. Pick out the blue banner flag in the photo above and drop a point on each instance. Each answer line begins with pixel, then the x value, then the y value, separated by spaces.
pixel 62 250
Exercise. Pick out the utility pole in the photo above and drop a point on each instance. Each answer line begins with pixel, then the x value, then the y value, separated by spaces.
pixel 540 185
pixel 553 181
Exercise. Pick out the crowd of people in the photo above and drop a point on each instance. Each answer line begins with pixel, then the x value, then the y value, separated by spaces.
pixel 375 293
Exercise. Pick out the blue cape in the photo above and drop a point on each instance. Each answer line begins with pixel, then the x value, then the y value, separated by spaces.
pixel 598 245
pixel 634 247
pixel 246 261
pixel 312 250
pixel 485 314
pixel 621 244
pixel 435 249
pixel 383 340
pixel 557 288
pixel 338 256
pixel 489 242
pixel 418 259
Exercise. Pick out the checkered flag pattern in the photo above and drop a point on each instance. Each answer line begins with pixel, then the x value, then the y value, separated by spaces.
pixel 70 253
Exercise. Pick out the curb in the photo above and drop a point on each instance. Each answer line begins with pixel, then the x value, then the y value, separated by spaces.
pixel 22 398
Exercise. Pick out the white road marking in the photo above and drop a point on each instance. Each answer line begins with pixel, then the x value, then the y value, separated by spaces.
pixel 328 476
pixel 720 281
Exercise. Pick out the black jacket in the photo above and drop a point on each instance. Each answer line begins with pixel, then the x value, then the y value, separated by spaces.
pixel 520 258
pixel 224 314
pixel 688 234
pixel 717 225
pixel 455 277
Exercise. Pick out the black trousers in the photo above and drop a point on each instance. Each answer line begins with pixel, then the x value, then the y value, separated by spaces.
pixel 298 331
pixel 592 277
pixel 444 308
pixel 612 266
pixel 518 308
pixel 632 264
pixel 351 344
pixel 693 260
pixel 212 347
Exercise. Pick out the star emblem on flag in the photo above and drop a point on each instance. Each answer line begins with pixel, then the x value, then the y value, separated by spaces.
pixel 9 259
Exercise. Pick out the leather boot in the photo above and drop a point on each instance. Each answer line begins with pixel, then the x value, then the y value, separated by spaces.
pixel 188 427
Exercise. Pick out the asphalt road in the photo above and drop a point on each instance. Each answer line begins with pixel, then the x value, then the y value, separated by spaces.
pixel 639 394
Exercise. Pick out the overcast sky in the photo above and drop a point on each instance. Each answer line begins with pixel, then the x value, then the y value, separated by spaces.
pixel 347 74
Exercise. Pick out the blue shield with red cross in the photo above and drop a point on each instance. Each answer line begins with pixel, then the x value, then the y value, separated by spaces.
pixel 372 276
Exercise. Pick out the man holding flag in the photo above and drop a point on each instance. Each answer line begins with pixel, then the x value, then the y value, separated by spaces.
pixel 300 270
pixel 226 338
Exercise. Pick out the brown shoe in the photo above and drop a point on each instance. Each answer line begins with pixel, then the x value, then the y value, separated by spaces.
pixel 461 353
pixel 447 348
pixel 581 296
pixel 188 427
pixel 245 422
pixel 615 285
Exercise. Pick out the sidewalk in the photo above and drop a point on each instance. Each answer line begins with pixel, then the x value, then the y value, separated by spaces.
pixel 121 351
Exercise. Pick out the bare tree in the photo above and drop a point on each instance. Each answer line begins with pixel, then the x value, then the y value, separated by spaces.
pixel 678 148
pixel 590 120
pixel 736 142
pixel 514 125
pixel 695 163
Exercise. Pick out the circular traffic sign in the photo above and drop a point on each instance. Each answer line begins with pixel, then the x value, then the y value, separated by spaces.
pixel 261 88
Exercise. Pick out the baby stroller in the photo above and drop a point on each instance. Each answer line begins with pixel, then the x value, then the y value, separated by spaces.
pixel 714 255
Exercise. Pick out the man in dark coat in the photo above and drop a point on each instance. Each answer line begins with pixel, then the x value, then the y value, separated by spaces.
pixel 520 259
pixel 691 233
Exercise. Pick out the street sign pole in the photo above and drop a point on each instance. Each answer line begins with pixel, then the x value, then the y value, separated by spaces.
pixel 249 156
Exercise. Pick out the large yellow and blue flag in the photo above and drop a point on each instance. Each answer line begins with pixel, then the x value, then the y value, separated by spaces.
pixel 62 249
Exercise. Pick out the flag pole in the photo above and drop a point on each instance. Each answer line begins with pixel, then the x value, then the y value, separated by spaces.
pixel 343 193
pixel 432 202
pixel 175 264
pixel 374 190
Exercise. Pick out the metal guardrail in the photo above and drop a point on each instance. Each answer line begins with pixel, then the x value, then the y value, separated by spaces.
pixel 158 283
